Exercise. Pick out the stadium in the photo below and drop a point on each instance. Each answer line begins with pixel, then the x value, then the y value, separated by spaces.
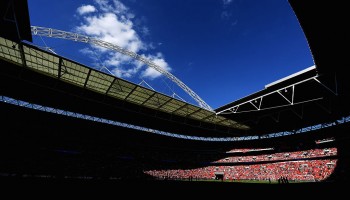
pixel 63 120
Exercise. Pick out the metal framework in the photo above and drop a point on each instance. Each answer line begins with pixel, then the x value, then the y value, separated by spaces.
pixel 55 66
pixel 142 129
pixel 9 100
pixel 257 102
pixel 54 33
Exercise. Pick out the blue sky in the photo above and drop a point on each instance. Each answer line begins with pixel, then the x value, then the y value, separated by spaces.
pixel 222 49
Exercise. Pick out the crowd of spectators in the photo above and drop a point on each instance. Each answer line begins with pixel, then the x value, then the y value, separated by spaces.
pixel 309 165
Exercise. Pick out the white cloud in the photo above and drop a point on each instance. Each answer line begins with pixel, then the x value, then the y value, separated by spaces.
pixel 226 2
pixel 86 51
pixel 145 30
pixel 116 30
pixel 158 60
pixel 230 12
pixel 225 15
pixel 113 23
pixel 115 7
pixel 86 9
pixel 104 6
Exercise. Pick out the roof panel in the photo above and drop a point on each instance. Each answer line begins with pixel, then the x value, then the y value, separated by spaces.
pixel 157 100
pixel 167 108
pixel 213 119
pixel 74 73
pixel 10 51
pixel 117 94
pixel 170 107
pixel 195 115
pixel 82 76
pixel 150 105
pixel 99 82
pixel 120 89
pixel 186 110
pixel 136 95
pixel 175 104
pixel 122 86
pixel 145 91
pixel 141 94
pixel 41 61
pixel 136 100
pixel 198 115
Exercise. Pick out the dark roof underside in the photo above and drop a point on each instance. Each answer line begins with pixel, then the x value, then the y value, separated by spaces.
pixel 14 20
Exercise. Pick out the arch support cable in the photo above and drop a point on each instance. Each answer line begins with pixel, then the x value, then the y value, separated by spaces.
pixel 54 33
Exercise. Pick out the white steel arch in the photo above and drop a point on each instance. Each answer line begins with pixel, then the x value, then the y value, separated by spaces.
pixel 54 33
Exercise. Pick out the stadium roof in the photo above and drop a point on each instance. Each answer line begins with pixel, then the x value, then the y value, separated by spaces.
pixel 14 20
pixel 314 95
pixel 71 72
